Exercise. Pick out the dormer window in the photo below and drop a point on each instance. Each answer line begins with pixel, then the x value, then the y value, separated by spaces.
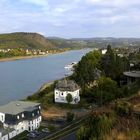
pixel 33 114
pixel 18 117
pixel 22 115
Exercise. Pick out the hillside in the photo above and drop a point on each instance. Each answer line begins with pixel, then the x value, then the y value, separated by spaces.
pixel 25 41
pixel 94 42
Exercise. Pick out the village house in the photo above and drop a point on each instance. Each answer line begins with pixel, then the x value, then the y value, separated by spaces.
pixel 18 116
pixel 65 87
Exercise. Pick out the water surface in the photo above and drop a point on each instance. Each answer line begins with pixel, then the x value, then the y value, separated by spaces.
pixel 21 78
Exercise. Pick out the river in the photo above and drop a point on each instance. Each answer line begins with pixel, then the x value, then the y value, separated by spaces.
pixel 21 78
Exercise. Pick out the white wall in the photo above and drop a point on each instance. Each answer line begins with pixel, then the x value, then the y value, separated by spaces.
pixel 5 137
pixel 2 117
pixel 60 96
pixel 12 134
pixel 34 124
pixel 24 125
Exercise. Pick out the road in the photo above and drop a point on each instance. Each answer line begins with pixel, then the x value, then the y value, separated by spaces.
pixel 71 136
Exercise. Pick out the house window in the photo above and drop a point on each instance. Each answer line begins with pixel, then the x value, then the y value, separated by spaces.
pixel 56 92
pixel 33 114
pixel 62 93
pixel 18 117
pixel 39 107
pixel 2 118
pixel 22 115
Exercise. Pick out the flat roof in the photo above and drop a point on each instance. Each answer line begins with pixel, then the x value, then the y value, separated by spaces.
pixel 135 74
pixel 17 107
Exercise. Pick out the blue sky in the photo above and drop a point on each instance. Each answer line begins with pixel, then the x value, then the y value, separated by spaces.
pixel 72 18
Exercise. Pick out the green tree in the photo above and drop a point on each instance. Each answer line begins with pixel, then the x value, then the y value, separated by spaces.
pixel 84 73
pixel 114 65
pixel 106 90
pixel 69 98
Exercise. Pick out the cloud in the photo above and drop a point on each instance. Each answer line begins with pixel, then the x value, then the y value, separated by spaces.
pixel 70 17
pixel 37 2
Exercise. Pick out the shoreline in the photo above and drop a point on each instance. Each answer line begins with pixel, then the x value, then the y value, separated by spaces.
pixel 14 58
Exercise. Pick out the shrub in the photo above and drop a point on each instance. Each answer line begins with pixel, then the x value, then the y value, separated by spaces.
pixel 123 108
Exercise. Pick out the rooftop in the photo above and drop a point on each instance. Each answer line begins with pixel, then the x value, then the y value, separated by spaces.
pixel 135 74
pixel 67 85
pixel 6 131
pixel 17 107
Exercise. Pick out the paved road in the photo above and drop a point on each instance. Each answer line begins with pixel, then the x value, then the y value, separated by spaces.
pixel 71 136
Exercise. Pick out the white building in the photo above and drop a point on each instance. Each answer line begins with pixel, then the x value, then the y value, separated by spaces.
pixel 104 51
pixel 19 116
pixel 65 87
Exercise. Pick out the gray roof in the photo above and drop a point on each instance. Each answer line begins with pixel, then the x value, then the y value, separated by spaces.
pixel 6 131
pixel 17 107
pixel 67 85
pixel 135 74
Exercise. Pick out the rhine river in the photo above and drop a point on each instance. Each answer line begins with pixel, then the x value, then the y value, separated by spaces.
pixel 21 78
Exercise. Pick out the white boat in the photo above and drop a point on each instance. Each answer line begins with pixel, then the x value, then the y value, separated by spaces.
pixel 70 66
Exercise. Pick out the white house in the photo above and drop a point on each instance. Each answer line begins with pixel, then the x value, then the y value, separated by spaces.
pixel 65 87
pixel 19 116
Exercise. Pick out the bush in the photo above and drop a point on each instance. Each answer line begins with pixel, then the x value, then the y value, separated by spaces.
pixel 69 98
pixel 123 108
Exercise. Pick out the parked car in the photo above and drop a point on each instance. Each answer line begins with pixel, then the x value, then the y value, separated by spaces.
pixel 46 130
pixel 31 135
pixel 37 133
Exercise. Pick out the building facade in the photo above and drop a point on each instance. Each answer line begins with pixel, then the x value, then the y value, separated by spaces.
pixel 19 116
pixel 65 87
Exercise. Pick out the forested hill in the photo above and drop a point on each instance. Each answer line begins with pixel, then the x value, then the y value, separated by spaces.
pixel 95 42
pixel 25 40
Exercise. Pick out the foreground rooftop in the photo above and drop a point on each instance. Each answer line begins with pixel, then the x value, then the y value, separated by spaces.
pixel 17 107
pixel 67 85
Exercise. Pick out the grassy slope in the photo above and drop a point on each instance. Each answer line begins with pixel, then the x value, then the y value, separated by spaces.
pixel 25 40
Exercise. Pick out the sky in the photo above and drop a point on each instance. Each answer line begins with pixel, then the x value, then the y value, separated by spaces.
pixel 72 18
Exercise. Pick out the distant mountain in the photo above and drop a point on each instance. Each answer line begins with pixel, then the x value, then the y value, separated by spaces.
pixel 37 41
pixel 95 42
pixel 25 40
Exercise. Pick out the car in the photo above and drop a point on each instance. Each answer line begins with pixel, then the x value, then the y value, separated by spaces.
pixel 37 133
pixel 31 135
pixel 46 130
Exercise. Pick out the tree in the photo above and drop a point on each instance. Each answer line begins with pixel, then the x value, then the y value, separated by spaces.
pixel 84 73
pixel 69 98
pixel 114 65
pixel 106 90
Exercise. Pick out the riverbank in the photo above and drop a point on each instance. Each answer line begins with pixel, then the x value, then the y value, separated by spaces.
pixel 14 58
